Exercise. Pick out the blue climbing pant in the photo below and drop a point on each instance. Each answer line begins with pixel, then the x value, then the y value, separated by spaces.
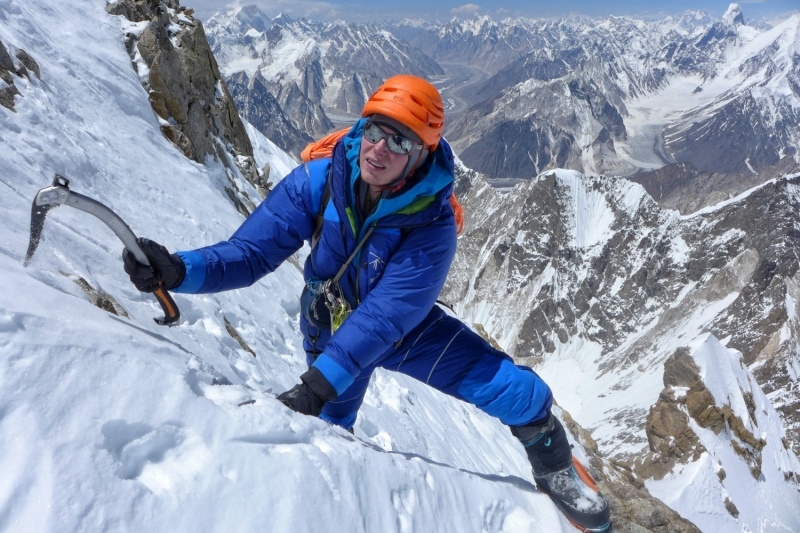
pixel 447 355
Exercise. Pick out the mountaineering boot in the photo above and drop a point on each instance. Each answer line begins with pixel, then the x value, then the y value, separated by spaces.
pixel 562 477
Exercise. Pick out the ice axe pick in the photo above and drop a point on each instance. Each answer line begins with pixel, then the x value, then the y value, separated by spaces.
pixel 59 193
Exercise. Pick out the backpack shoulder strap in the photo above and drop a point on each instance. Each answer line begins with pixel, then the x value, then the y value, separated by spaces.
pixel 317 150
pixel 323 203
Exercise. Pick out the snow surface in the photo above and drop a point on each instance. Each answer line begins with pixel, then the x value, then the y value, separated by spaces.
pixel 266 152
pixel 115 424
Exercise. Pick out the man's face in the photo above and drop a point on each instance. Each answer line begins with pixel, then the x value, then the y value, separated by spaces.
pixel 379 165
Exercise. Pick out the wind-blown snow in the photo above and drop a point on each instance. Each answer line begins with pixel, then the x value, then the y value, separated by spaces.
pixel 117 424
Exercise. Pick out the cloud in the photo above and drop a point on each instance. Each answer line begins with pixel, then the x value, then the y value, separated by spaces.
pixel 314 9
pixel 467 10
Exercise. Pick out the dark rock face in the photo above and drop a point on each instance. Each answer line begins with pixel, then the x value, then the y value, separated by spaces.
pixel 518 149
pixel 683 187
pixel 738 138
pixel 29 63
pixel 8 90
pixel 186 90
pixel 25 66
pixel 260 107
pixel 5 60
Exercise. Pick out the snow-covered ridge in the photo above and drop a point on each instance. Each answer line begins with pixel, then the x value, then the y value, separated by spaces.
pixel 749 474
pixel 587 279
pixel 738 198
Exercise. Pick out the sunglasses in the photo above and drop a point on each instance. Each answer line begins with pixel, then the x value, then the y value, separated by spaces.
pixel 396 143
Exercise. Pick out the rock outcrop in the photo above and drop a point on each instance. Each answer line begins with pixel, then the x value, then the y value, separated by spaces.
pixel 25 66
pixel 633 509
pixel 169 50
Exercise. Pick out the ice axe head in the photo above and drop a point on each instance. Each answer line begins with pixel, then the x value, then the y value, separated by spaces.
pixel 45 200
pixel 59 193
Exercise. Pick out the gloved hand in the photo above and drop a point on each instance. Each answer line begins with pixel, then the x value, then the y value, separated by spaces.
pixel 165 270
pixel 310 396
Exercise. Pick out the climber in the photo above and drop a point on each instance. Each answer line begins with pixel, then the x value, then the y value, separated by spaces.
pixel 381 219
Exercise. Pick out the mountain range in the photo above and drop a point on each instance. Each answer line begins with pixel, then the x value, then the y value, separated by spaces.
pixel 290 78
pixel 649 100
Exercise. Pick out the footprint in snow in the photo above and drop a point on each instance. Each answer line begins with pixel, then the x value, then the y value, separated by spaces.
pixel 162 458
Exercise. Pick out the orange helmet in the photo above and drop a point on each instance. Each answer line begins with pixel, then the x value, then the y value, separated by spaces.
pixel 413 102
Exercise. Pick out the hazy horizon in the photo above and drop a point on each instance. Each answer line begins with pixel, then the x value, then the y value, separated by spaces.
pixel 360 11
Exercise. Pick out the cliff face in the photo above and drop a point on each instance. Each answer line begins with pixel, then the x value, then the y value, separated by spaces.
pixel 169 50
pixel 594 264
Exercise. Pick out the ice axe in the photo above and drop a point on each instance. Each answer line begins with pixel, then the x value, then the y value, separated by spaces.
pixel 59 193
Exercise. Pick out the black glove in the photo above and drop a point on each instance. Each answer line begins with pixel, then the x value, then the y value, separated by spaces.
pixel 309 396
pixel 165 270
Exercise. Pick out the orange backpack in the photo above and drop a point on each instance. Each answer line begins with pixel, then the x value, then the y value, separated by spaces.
pixel 324 148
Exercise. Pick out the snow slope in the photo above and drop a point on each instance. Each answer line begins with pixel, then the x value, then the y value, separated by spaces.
pixel 116 424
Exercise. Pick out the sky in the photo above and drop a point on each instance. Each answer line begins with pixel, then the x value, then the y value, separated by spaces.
pixel 365 10
pixel 113 423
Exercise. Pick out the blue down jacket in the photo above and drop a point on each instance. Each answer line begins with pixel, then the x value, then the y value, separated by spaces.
pixel 394 279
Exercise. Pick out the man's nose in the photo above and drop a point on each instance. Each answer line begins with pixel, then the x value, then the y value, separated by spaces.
pixel 382 145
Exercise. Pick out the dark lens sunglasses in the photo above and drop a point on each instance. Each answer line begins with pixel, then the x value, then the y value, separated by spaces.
pixel 396 143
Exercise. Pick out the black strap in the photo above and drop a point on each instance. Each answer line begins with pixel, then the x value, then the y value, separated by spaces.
pixel 353 255
pixel 323 203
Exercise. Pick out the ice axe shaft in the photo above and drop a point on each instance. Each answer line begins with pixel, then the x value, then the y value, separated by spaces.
pixel 60 194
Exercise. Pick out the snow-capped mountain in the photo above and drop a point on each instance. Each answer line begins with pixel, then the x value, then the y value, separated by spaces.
pixel 622 95
pixel 307 71
pixel 595 260
pixel 480 42
pixel 616 96
pixel 591 282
